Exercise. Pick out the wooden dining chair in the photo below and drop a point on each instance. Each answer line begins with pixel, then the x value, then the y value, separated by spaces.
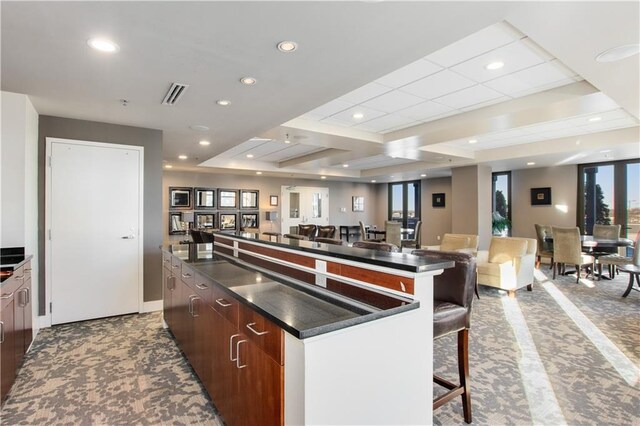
pixel 567 248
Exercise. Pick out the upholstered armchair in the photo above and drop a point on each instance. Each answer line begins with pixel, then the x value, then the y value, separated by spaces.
pixel 508 264
pixel 463 243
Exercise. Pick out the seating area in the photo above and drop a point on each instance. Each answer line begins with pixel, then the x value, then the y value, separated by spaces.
pixel 508 264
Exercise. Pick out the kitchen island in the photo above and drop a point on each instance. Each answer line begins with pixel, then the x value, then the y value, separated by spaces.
pixel 296 332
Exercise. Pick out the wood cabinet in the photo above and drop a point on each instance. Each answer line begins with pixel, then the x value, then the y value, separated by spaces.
pixel 236 352
pixel 16 330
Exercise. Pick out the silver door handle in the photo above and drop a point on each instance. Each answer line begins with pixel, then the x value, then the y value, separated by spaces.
pixel 128 237
pixel 224 305
pixel 22 303
pixel 231 358
pixel 191 308
pixel 238 354
pixel 259 333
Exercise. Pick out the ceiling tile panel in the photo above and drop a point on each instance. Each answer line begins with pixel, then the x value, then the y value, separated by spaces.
pixel 386 122
pixel 439 84
pixel 477 43
pixel 393 101
pixel 331 108
pixel 410 73
pixel 515 56
pixel 536 76
pixel 347 115
pixel 291 151
pixel 470 96
pixel 424 110
pixel 364 93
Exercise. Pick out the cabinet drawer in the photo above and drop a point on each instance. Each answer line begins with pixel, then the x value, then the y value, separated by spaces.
pixel 265 334
pixel 175 265
pixel 166 260
pixel 27 271
pixel 204 287
pixel 225 305
pixel 188 275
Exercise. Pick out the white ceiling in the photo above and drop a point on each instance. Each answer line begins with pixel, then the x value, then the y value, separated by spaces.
pixel 416 70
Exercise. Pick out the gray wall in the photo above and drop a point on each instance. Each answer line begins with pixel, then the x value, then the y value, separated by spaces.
pixel 340 194
pixel 562 180
pixel 436 221
pixel 151 140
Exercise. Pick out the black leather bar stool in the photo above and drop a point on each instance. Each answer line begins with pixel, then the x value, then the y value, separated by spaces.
pixel 374 245
pixel 453 295
pixel 308 230
pixel 333 241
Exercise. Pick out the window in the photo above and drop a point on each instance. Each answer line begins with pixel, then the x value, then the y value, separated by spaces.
pixel 501 203
pixel 608 193
pixel 404 203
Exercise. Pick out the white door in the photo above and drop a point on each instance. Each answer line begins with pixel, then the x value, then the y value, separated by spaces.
pixel 94 212
pixel 304 204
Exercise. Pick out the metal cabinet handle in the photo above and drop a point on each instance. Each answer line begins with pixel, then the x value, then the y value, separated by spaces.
pixel 202 286
pixel 187 275
pixel 175 266
pixel 27 270
pixel 22 303
pixel 128 237
pixel 6 296
pixel 167 260
pixel 28 294
pixel 238 354
pixel 1 332
pixel 259 333
pixel 170 280
pixel 21 277
pixel 231 358
pixel 191 307
pixel 224 305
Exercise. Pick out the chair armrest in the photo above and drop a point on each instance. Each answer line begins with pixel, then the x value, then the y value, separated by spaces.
pixel 483 256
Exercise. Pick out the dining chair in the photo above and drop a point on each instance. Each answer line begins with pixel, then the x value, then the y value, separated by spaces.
pixel 363 233
pixel 392 232
pixel 614 260
pixel 452 299
pixel 607 232
pixel 379 246
pixel 545 248
pixel 326 231
pixel 567 248
pixel 207 236
pixel 196 236
pixel 417 237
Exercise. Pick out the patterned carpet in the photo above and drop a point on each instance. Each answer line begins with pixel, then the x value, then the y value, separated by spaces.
pixel 565 353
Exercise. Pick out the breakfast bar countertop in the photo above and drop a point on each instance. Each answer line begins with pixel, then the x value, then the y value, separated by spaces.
pixel 301 309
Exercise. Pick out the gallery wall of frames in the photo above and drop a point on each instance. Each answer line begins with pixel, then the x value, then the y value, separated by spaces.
pixel 209 208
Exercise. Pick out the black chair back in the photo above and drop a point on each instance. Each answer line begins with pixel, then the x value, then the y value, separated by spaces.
pixel 307 230
pixel 328 231
pixel 196 235
pixel 207 237
pixel 295 236
pixel 329 241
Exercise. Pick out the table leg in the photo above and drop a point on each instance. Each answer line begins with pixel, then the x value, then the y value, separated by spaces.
pixel 631 280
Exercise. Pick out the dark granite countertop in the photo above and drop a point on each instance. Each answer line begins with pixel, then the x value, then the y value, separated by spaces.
pixel 301 309
pixel 8 264
pixel 401 261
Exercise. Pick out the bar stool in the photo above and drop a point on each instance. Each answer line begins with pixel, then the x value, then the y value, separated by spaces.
pixel 453 296
pixel 374 245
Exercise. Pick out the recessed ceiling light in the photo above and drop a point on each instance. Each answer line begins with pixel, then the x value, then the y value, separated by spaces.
pixel 323 177
pixel 223 102
pixel 204 143
pixel 345 165
pixel 286 139
pixel 182 157
pixel 358 115
pixel 168 166
pixel 605 151
pixel 423 175
pixel 287 46
pixel 258 173
pixel 473 140
pixel 373 181
pixel 531 163
pixel 249 81
pixel 103 45
pixel 593 119
pixel 618 53
pixel 495 65
pixel 249 155
pixel 199 127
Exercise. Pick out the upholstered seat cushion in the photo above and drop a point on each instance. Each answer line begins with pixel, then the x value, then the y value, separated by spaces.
pixel 454 242
pixel 447 318
pixel 505 249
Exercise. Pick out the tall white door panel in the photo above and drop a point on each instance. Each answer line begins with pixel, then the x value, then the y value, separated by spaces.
pixel 94 208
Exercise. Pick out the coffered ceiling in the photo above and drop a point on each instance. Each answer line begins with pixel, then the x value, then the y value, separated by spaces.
pixel 374 90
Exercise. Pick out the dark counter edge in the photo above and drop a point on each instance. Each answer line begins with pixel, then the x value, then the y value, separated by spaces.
pixel 13 266
pixel 289 282
pixel 400 261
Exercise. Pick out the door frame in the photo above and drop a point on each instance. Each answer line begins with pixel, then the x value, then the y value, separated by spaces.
pixel 47 217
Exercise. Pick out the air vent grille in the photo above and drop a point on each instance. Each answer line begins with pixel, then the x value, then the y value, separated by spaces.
pixel 175 93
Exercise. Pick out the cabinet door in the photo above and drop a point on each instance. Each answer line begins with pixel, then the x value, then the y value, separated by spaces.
pixel 224 373
pixel 7 346
pixel 28 316
pixel 168 295
pixel 199 357
pixel 18 325
pixel 260 386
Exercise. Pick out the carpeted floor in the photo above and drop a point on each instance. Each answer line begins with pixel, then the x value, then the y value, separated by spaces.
pixel 565 353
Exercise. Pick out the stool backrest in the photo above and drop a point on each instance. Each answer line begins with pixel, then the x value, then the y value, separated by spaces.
pixel 327 231
pixel 308 230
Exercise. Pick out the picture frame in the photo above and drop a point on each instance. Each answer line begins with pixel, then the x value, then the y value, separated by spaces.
pixel 204 198
pixel 205 220
pixel 249 199
pixel 357 203
pixel 249 220
pixel 228 221
pixel 273 200
pixel 176 225
pixel 227 199
pixel 180 197
pixel 541 196
pixel 438 199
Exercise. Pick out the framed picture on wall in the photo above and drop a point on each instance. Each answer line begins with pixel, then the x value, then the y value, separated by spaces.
pixel 249 220
pixel 205 220
pixel 540 196
pixel 228 221
pixel 204 198
pixel 248 199
pixel 357 202
pixel 179 198
pixel 273 200
pixel 437 199
pixel 176 225
pixel 227 199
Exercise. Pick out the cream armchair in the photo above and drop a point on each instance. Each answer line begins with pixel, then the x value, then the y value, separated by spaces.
pixel 465 243
pixel 508 264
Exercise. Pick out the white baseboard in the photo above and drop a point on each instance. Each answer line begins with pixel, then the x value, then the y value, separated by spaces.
pixel 153 306
pixel 44 321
